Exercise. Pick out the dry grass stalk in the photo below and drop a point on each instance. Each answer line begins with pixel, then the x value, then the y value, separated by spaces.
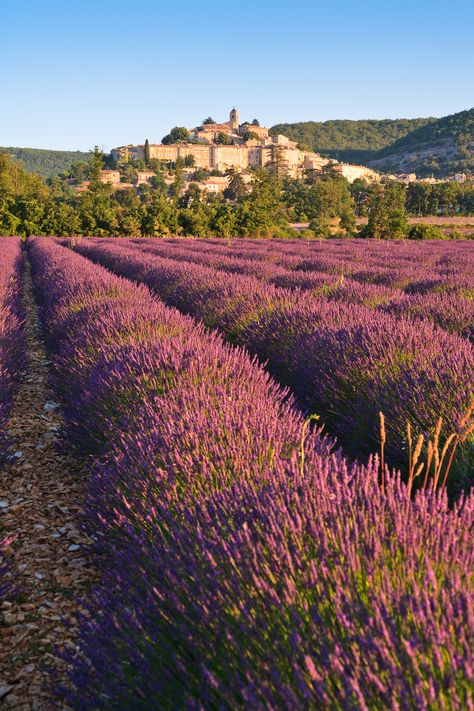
pixel 435 457
pixel 304 429
pixel 383 439
pixel 413 470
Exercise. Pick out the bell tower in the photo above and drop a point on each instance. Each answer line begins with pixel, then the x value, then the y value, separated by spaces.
pixel 234 119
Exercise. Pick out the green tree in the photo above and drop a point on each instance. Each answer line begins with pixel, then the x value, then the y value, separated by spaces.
pixel 387 214
pixel 251 136
pixel 223 139
pixel 278 163
pixel 128 173
pixel 195 220
pixel 360 192
pixel 23 198
pixel 422 230
pixel 326 199
pixel 159 218
pixel 147 153
pixel 95 167
pixel 177 187
pixel 97 207
pixel 192 196
pixel 236 189
pixel 178 134
pixel 261 213
pixel 224 220
pixel 61 219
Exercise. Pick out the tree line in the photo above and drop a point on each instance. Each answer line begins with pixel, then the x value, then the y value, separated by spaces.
pixel 171 206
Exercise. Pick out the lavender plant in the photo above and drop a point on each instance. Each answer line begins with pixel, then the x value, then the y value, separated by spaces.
pixel 342 360
pixel 243 563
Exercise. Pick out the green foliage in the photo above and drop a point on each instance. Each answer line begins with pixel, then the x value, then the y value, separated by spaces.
pixel 425 231
pixel 200 174
pixel 223 222
pixel 208 121
pixel 423 199
pixel 128 173
pixel 236 189
pixel 28 205
pixel 224 139
pixel 387 214
pixel 23 198
pixel 350 141
pixel 178 134
pixel 251 136
pixel 159 218
pixel 323 199
pixel 79 171
pixel 46 163
pixel 96 166
pixel 360 192
pixel 261 212
pixel 320 227
pixel 442 147
pixel 147 152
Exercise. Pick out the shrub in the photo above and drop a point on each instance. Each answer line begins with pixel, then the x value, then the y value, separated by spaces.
pixel 424 230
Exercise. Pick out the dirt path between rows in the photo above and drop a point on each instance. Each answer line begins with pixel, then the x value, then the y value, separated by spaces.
pixel 41 491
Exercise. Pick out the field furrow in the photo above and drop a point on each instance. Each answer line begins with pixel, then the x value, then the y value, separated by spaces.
pixel 242 564
pixel 343 361
pixel 41 492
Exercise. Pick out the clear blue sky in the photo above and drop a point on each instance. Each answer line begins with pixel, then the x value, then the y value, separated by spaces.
pixel 75 73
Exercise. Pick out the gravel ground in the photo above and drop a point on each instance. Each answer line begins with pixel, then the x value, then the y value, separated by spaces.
pixel 41 491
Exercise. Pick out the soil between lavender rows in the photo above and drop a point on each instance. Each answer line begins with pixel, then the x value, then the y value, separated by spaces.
pixel 41 490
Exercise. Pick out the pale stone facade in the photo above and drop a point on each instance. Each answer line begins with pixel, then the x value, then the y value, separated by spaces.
pixel 110 176
pixel 241 154
pixel 144 176
pixel 214 185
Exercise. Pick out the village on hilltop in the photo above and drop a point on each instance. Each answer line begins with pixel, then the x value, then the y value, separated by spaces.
pixel 215 150
pixel 221 147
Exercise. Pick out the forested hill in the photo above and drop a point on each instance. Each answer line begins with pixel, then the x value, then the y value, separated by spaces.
pixel 350 141
pixel 44 162
pixel 443 147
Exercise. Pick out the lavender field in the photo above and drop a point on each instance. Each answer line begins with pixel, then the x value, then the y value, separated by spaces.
pixel 279 439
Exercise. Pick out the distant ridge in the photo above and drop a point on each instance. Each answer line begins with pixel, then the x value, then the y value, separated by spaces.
pixel 441 148
pixel 425 146
pixel 350 141
pixel 45 162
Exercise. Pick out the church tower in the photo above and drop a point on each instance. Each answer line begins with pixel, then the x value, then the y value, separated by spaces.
pixel 234 120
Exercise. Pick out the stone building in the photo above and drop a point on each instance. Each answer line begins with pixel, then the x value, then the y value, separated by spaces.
pixel 238 152
pixel 110 176
pixel 144 176
pixel 214 185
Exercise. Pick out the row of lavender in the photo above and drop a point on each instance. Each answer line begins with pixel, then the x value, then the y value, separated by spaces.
pixel 345 362
pixel 437 259
pixel 437 285
pixel 12 358
pixel 243 565
pixel 12 337
pixel 351 257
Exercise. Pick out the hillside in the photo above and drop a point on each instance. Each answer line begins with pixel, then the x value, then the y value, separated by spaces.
pixel 44 162
pixel 440 148
pixel 350 141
